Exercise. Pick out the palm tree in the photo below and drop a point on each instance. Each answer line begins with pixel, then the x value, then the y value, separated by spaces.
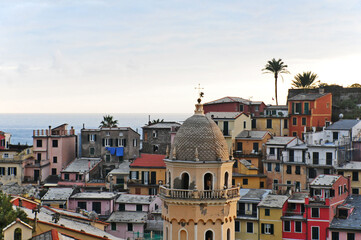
pixel 305 80
pixel 276 67
pixel 108 122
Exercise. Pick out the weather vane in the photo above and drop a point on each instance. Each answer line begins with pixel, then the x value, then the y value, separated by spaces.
pixel 201 94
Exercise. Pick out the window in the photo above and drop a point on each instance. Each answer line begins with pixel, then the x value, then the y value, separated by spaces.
pixel 306 108
pixel 256 108
pixel 293 206
pixel 289 169
pixel 130 227
pixel 92 137
pixel 261 184
pixel 335 136
pixel 315 212
pixel 107 157
pixel 244 124
pixel 354 190
pixel 245 181
pixel 55 143
pixel 269 123
pixel 133 175
pixel 266 212
pixel 272 151
pixel 303 121
pixel 267 228
pixel 350 236
pixel 275 184
pixel 315 158
pixel 285 123
pixel 139 208
pixel 155 148
pixel 38 157
pixel 355 176
pixel 55 159
pixel 66 176
pixel 298 170
pixel 255 147
pixel 6 155
pixel 298 108
pixel 269 167
pixel 2 171
pixel 92 151
pixel 298 186
pixel 292 155
pixel 277 168
pixel 315 233
pixel 121 207
pixel 114 226
pixel 145 178
pixel 39 143
pixel 254 123
pixel 339 190
pixel 249 227
pixel 82 205
pixel 326 171
pixel 241 107
pixel 239 146
pixel 237 226
pixel 53 171
pixel 294 121
pixel 329 158
pixel 335 236
pixel 287 226
pixel 298 227
pixel 12 171
pixel 135 142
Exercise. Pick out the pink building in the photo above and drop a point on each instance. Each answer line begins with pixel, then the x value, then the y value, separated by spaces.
pixel 100 202
pixel 53 150
pixel 131 215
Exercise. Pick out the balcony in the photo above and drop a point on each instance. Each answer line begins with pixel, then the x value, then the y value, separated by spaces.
pixel 243 214
pixel 247 153
pixel 293 215
pixel 199 195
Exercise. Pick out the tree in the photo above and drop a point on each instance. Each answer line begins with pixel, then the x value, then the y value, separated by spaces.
pixel 305 80
pixel 355 85
pixel 8 214
pixel 276 67
pixel 108 122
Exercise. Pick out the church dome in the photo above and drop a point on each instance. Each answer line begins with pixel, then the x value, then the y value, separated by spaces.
pixel 199 138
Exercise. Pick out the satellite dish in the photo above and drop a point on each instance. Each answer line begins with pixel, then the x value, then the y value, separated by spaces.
pixel 340 116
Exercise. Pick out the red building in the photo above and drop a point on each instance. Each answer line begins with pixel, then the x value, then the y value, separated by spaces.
pixel 326 193
pixel 235 104
pixel 4 140
pixel 294 218
pixel 308 111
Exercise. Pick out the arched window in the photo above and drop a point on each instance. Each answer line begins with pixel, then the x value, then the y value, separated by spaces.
pixel 185 181
pixel 209 235
pixel 226 179
pixel 183 235
pixel 208 181
pixel 228 234
pixel 18 234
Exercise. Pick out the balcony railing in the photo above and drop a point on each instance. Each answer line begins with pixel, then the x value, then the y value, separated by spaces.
pixel 244 153
pixel 241 213
pixel 195 194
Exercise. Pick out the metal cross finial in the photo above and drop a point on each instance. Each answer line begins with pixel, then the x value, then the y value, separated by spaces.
pixel 200 93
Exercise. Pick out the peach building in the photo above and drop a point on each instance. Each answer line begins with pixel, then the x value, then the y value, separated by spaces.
pixel 53 149
pixel 199 201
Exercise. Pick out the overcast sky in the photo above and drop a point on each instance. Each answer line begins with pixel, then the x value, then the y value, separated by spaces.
pixel 94 56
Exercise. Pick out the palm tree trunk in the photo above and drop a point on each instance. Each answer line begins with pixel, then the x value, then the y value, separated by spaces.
pixel 276 89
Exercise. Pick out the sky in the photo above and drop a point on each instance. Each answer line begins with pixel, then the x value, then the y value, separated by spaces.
pixel 95 56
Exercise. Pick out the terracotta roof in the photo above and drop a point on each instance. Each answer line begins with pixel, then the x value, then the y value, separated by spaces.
pixel 149 160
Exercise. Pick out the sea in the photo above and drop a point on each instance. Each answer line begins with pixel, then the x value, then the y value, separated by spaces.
pixel 21 125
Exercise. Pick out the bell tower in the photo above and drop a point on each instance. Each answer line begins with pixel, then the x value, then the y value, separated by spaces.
pixel 199 201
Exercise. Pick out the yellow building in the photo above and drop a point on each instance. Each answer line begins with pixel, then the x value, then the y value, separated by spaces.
pixel 353 171
pixel 146 173
pixel 270 212
pixel 12 161
pixel 198 199
pixel 274 119
pixel 231 124
pixel 247 175
pixel 246 224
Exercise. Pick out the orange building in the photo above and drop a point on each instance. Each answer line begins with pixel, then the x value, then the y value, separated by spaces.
pixel 145 174
pixel 248 176
pixel 248 145
pixel 309 110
